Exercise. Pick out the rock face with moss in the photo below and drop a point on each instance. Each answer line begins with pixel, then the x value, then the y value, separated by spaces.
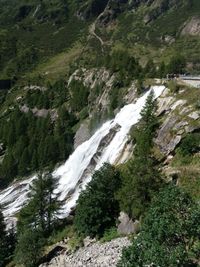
pixel 180 118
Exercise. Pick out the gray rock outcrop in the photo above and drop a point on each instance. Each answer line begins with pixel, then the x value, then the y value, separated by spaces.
pixel 127 226
pixel 181 119
pixel 82 134
pixel 192 27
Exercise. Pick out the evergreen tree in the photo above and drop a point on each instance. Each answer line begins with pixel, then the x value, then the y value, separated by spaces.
pixel 37 220
pixel 177 64
pixel 97 208
pixel 42 210
pixel 141 177
pixel 24 162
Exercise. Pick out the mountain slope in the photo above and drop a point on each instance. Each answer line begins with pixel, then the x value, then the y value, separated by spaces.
pixel 147 28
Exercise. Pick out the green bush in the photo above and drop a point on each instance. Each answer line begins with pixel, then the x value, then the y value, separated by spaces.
pixel 174 87
pixel 190 144
pixel 169 235
pixel 110 234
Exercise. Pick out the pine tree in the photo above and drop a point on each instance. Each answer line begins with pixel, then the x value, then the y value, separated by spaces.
pixel 43 208
pixel 24 162
pixel 141 177
pixel 146 131
pixel 97 208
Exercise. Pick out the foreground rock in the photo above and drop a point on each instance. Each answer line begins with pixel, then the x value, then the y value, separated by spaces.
pixel 93 255
pixel 126 225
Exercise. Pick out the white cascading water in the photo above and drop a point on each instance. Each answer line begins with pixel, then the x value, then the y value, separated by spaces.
pixel 72 175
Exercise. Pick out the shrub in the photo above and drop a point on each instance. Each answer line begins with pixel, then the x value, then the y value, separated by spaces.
pixel 169 235
pixel 190 144
pixel 110 234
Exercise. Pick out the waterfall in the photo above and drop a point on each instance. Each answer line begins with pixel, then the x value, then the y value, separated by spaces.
pixel 105 145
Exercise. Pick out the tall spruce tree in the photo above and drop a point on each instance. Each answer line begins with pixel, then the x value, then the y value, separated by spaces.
pixel 97 208
pixel 37 220
pixel 41 212
pixel 141 178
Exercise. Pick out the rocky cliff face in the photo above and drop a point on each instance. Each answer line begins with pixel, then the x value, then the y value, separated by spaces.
pixel 179 118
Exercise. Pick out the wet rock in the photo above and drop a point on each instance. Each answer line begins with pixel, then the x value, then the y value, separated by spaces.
pixel 82 135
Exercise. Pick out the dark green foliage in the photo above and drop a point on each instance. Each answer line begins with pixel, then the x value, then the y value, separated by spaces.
pixel 54 96
pixel 115 96
pixel 140 86
pixel 124 64
pixel 7 242
pixel 162 71
pixel 190 144
pixel 32 142
pixel 43 208
pixel 169 235
pixel 177 64
pixel 147 126
pixel 3 249
pixel 79 95
pixel 37 220
pixel 141 177
pixel 93 8
pixel 97 208
pixel 150 69
pixel 24 38
pixel 29 248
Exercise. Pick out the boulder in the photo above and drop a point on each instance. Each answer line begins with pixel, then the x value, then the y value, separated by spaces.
pixel 127 226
